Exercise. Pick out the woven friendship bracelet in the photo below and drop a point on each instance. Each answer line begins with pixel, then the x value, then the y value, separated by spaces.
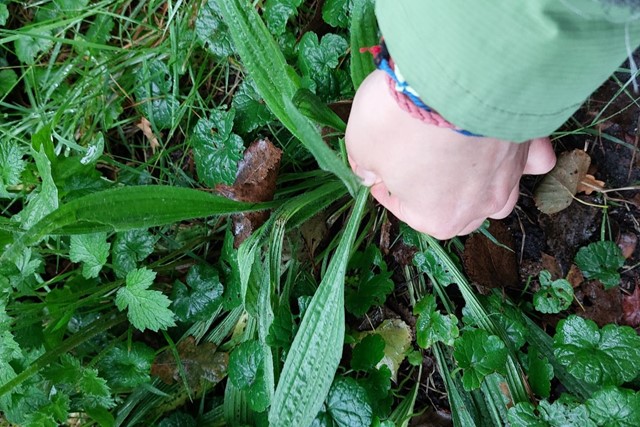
pixel 407 98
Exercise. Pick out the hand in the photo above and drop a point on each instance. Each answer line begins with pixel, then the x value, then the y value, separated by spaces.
pixel 436 180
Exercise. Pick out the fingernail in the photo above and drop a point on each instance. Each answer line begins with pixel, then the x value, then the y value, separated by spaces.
pixel 368 178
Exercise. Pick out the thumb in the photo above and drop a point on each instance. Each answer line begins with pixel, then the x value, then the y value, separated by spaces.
pixel 541 157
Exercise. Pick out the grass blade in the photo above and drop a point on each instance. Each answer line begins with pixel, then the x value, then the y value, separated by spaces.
pixel 317 347
pixel 363 34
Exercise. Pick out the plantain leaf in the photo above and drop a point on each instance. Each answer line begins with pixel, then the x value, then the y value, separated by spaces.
pixel 363 34
pixel 317 347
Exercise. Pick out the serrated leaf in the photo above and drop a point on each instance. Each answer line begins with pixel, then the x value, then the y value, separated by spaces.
pixel 479 354
pixel 557 414
pixel 100 29
pixel 94 390
pixel 336 12
pixel 11 163
pixel 601 261
pixel 29 45
pixel 246 371
pixel 609 356
pixel 367 286
pixel 317 60
pixel 146 309
pixel 217 150
pixel 557 188
pixel 129 248
pixel 8 79
pixel 127 367
pixel 90 249
pixel 212 32
pixel 553 295
pixel 251 111
pixel 201 297
pixel 278 12
pixel 347 404
pixel 43 201
pixel 154 94
pixel 615 407
pixel 540 373
pixel 367 353
pixel 432 326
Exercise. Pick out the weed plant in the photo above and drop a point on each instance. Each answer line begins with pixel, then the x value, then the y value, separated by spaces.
pixel 125 298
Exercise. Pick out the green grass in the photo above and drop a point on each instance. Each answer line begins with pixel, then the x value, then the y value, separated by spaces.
pixel 103 173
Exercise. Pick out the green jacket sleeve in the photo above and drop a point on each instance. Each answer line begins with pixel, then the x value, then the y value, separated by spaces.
pixel 513 70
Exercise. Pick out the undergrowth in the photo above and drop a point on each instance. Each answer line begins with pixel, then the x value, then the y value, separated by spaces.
pixel 138 285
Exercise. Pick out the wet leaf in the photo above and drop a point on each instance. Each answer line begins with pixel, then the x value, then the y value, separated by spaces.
pixel 178 419
pixel 11 163
pixel 251 111
pixel 198 362
pixel 347 404
pixel 200 297
pixel 609 356
pixel 124 367
pixel 246 371
pixel 212 32
pixel 277 14
pixel 433 326
pixel 558 187
pixel 336 12
pixel 378 385
pixel 217 150
pixel 540 373
pixel 631 307
pixel 43 201
pixel 367 353
pixel 429 263
pixel 90 249
pixel 488 264
pixel 154 94
pixel 255 182
pixel 553 295
pixel 615 407
pixel 556 414
pixel 317 60
pixel 129 248
pixel 601 261
pixel 29 45
pixel 479 354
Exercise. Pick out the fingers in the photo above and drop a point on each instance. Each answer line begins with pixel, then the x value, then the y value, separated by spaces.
pixel 509 205
pixel 381 193
pixel 541 157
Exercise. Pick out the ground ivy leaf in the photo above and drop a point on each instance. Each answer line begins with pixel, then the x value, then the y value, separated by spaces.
pixel 212 31
pixel 432 326
pixel 90 249
pixel 479 354
pixel 367 353
pixel 609 356
pixel 553 295
pixel 281 331
pixel 615 407
pixel 378 386
pixel 40 202
pixel 428 262
pixel 277 14
pixel 246 371
pixel 317 59
pixel 347 403
pixel 178 419
pixel 29 45
pixel 11 163
pixel 336 12
pixel 146 309
pixel 369 282
pixel 129 248
pixel 251 111
pixel 601 261
pixel 557 414
pixel 154 95
pixel 217 150
pixel 201 297
pixel 125 367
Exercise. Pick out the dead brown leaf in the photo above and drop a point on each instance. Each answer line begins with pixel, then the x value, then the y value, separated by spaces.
pixel 627 243
pixel 589 184
pixel 600 305
pixel 487 264
pixel 558 187
pixel 198 362
pixel 575 276
pixel 631 307
pixel 145 127
pixel 255 182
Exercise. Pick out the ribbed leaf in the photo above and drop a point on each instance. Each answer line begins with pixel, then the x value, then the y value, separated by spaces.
pixel 128 208
pixel 363 34
pixel 316 350
pixel 266 65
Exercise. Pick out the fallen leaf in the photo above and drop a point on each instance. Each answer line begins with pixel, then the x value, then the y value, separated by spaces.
pixel 631 307
pixel 551 264
pixel 627 243
pixel 589 184
pixel 575 276
pixel 198 362
pixel 487 264
pixel 558 187
pixel 145 127
pixel 600 305
pixel 255 182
